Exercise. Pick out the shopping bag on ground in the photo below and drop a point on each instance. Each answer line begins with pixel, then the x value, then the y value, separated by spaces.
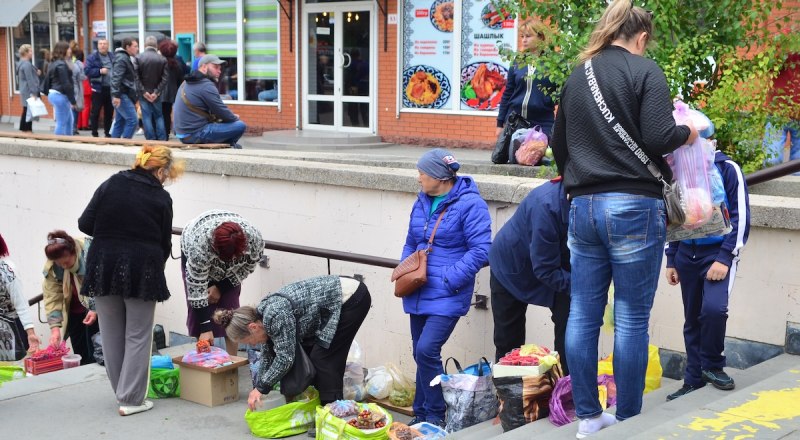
pixel 652 379
pixel 164 383
pixel 470 398
pixel 403 388
pixel 330 427
pixel 286 420
pixel 562 407
pixel 525 399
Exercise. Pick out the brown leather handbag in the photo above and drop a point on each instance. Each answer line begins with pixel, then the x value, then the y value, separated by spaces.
pixel 412 273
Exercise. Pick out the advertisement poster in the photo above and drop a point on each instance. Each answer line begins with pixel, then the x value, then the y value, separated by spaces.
pixel 483 73
pixel 428 54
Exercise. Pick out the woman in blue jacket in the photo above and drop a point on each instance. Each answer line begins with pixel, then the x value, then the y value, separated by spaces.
pixel 460 250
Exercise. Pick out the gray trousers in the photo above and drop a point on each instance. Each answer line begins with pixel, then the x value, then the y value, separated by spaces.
pixel 126 326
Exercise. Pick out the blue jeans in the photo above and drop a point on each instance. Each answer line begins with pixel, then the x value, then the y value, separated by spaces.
pixel 216 133
pixel 619 236
pixel 775 140
pixel 125 119
pixel 428 335
pixel 152 113
pixel 62 110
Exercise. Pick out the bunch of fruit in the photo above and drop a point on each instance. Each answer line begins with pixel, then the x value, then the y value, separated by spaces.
pixel 367 419
pixel 527 355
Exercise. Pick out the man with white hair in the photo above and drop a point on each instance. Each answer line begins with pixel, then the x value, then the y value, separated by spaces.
pixel 200 115
pixel 199 52
pixel 153 76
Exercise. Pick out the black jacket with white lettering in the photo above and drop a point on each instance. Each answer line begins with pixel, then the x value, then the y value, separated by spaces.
pixel 588 152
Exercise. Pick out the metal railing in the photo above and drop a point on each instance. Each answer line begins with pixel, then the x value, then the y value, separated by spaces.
pixel 481 301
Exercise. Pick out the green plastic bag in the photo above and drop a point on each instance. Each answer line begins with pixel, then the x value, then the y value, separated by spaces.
pixel 286 420
pixel 10 372
pixel 164 383
pixel 330 427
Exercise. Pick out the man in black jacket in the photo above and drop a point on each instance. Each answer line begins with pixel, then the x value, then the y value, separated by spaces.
pixel 124 89
pixel 98 70
pixel 153 76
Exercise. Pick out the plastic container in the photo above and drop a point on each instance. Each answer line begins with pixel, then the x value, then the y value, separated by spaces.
pixel 71 360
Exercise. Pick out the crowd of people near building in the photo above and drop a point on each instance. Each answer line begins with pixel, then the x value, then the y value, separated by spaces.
pixel 603 219
pixel 135 89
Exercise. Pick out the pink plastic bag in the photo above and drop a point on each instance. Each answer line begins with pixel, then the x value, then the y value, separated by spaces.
pixel 562 408
pixel 215 358
pixel 532 148
pixel 692 168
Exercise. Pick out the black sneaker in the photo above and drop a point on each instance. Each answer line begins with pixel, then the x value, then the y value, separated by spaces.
pixel 440 423
pixel 685 389
pixel 719 379
pixel 312 433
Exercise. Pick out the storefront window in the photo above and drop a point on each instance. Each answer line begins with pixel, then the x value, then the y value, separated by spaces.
pixel 158 18
pixel 450 56
pixel 251 49
pixel 48 22
pixel 125 21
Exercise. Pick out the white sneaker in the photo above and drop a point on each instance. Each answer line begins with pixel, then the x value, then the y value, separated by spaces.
pixel 129 410
pixel 588 427
pixel 140 131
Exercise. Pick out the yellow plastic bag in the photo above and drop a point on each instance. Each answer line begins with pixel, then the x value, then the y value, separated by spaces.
pixel 652 379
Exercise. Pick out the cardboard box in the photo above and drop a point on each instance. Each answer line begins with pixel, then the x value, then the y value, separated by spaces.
pixel 210 386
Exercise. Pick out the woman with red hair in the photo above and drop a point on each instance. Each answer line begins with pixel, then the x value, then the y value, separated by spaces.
pixel 219 249
pixel 17 335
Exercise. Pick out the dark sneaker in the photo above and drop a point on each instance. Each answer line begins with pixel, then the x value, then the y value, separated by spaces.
pixel 685 389
pixel 312 433
pixel 719 379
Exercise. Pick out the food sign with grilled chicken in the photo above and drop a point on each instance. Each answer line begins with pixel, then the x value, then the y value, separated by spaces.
pixel 483 72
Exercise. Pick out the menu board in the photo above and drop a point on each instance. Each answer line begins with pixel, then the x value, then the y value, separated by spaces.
pixel 427 53
pixel 483 72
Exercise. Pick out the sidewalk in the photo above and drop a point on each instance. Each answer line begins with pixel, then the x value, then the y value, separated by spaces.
pixel 78 404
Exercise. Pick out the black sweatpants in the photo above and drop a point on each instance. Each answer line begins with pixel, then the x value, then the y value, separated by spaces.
pixel 80 335
pixel 101 99
pixel 330 362
pixel 24 125
pixel 509 321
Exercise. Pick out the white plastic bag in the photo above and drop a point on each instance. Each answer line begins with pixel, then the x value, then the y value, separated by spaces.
pixel 36 108
pixel 354 374
pixel 379 382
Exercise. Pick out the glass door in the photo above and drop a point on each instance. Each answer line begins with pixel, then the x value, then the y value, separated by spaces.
pixel 338 66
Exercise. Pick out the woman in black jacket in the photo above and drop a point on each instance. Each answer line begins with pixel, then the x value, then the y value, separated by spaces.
pixel 615 115
pixel 130 218
pixel 60 89
pixel 169 49
pixel 525 94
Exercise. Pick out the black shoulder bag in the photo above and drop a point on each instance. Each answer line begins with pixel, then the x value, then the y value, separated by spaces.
pixel 502 149
pixel 671 193
pixel 301 373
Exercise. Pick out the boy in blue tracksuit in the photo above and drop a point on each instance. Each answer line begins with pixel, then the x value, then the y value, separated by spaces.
pixel 706 268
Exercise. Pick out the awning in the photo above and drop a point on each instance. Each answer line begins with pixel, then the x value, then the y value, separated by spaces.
pixel 15 11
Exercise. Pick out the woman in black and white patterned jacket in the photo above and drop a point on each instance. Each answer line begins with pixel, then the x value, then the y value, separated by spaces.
pixel 219 249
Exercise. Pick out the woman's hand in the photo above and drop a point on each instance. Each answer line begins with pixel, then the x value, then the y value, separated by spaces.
pixel 207 336
pixel 672 276
pixel 33 341
pixel 213 295
pixel 498 131
pixel 55 337
pixel 254 400
pixel 90 318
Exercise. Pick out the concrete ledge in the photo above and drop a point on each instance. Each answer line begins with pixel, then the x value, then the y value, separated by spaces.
pixel 767 211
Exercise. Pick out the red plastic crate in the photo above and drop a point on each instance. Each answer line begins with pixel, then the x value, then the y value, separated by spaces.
pixel 43 366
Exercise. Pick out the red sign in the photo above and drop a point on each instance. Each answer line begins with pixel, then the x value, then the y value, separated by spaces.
pixel 508 24
pixel 421 13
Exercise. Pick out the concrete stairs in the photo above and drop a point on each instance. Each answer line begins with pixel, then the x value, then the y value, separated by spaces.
pixel 765 404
